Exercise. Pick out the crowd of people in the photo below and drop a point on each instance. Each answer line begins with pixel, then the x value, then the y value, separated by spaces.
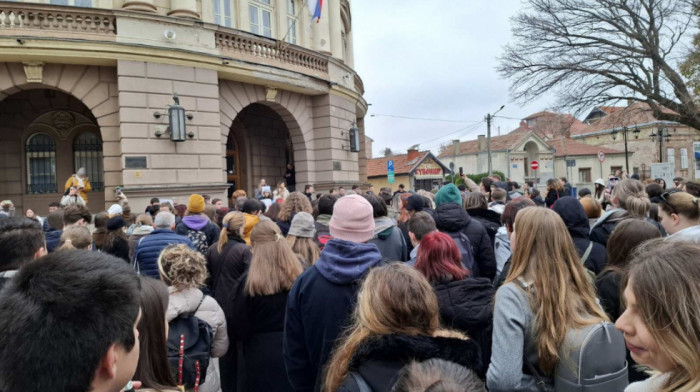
pixel 469 287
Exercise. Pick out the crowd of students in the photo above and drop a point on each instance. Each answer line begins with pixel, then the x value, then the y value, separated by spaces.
pixel 467 288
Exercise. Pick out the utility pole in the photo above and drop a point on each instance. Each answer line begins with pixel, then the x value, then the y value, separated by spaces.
pixel 489 118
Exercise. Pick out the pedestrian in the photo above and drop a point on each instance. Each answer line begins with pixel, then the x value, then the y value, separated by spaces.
pixel 52 236
pixel 266 197
pixel 143 227
pixel 53 206
pixel 73 197
pixel 81 182
pixel 660 322
pixel 184 271
pixel 692 187
pixel 273 211
pixel 477 208
pixel 74 215
pixel 567 187
pixel 592 254
pixel 296 202
pixel 387 236
pixel 259 189
pixel 534 195
pixel 153 368
pixel 116 243
pixel 301 238
pixel 437 375
pixel 593 210
pixel 420 224
pixel 196 225
pixel 98 236
pixel 654 192
pixel 555 190
pixel 323 297
pixel 546 294
pixel 149 248
pixel 396 321
pixel 323 219
pixel 251 213
pixel 498 196
pixel 485 187
pixel 502 247
pixel 290 177
pixel 309 191
pixel 258 309
pixel 661 182
pixel 465 302
pixel 451 217
pixel 21 241
pixel 680 216
pixel 76 237
pixel 227 260
pixel 599 190
pixel 7 209
pixel 281 192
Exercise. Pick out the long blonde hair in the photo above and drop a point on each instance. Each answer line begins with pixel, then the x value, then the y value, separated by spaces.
pixel 76 237
pixel 664 277
pixel 231 225
pixel 305 247
pixel 273 267
pixel 295 202
pixel 394 299
pixel 632 196
pixel 563 296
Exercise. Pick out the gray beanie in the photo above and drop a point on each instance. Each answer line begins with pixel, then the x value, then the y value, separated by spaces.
pixel 303 225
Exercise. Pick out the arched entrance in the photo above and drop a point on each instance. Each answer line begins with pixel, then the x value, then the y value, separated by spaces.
pixel 533 154
pixel 258 147
pixel 45 136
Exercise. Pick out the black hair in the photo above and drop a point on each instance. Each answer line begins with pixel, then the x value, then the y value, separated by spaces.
pixel 250 206
pixel 378 206
pixel 154 200
pixel 462 187
pixel 261 206
pixel 355 187
pixel 401 186
pixel 74 213
pixel 55 204
pixel 584 192
pixel 653 190
pixel 531 184
pixel 325 204
pixel 563 179
pixel 307 186
pixel 420 224
pixel 20 239
pixel 61 315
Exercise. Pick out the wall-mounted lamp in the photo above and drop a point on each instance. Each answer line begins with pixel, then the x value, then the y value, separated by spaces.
pixel 353 135
pixel 177 123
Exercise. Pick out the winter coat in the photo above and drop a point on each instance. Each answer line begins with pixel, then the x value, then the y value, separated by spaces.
pixel 259 327
pixel 467 305
pixel 53 240
pixel 379 359
pixel 608 287
pixel 283 194
pixel 389 240
pixel 538 201
pixel 199 222
pixel 319 307
pixel 136 235
pixel 690 234
pixel 119 248
pixel 83 185
pixel 285 225
pixel 186 301
pixel 489 218
pixel 148 250
pixel 574 216
pixel 600 232
pixel 552 196
pixel 69 200
pixel 323 231
pixel 450 218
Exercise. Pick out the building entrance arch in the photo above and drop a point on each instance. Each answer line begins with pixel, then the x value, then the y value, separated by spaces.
pixel 533 154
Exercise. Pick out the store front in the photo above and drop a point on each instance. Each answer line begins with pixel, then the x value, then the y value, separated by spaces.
pixel 428 175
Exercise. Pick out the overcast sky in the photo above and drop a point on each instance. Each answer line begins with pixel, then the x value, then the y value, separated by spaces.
pixel 433 59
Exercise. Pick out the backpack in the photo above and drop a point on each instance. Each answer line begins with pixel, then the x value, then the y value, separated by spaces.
pixel 199 241
pixel 323 235
pixel 465 249
pixel 189 348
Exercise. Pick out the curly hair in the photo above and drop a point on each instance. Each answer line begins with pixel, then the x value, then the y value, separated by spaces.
pixel 296 202
pixel 182 267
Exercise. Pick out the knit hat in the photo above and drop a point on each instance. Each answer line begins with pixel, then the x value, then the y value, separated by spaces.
pixel 448 194
pixel 195 203
pixel 303 225
pixel 115 223
pixel 353 219
pixel 415 203
pixel 115 209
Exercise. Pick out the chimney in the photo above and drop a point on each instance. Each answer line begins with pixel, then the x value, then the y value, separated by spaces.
pixel 412 154
pixel 455 145
pixel 523 124
pixel 482 142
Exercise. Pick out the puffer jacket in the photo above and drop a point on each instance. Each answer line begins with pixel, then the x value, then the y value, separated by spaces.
pixel 389 240
pixel 450 218
pixel 489 218
pixel 573 215
pixel 148 250
pixel 186 301
pixel 199 222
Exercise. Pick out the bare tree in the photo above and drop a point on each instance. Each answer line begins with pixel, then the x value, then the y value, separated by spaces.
pixel 593 52
pixel 387 152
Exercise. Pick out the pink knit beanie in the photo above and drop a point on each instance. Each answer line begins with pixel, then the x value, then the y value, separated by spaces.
pixel 352 219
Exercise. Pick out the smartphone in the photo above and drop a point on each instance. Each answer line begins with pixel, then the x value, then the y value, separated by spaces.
pixel 118 190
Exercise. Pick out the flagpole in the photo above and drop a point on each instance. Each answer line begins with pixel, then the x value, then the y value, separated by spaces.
pixel 296 18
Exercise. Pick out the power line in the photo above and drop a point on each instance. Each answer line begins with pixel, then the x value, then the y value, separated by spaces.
pixel 468 128
pixel 423 119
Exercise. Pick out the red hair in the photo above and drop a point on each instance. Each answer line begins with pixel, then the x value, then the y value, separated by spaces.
pixel 439 258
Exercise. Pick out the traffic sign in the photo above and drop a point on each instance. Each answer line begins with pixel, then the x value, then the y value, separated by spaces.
pixel 534 165
pixel 390 171
pixel 601 156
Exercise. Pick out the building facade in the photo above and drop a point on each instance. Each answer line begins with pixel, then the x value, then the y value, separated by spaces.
pixel 415 170
pixel 89 83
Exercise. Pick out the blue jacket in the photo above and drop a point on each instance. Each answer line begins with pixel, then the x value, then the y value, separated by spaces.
pixel 53 239
pixel 149 247
pixel 319 306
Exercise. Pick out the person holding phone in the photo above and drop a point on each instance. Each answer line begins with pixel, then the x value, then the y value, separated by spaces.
pixel 79 180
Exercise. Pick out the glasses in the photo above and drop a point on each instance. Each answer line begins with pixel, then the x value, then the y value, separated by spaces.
pixel 664 198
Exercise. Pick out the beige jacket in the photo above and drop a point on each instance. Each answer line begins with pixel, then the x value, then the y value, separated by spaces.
pixel 186 301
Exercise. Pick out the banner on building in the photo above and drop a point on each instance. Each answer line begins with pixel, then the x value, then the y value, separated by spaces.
pixel 428 169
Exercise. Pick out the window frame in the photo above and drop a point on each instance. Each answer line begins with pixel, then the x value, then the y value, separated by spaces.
pixel 71 3
pixel 586 171
pixel 222 17
pixel 33 154
pixel 259 8
pixel 83 155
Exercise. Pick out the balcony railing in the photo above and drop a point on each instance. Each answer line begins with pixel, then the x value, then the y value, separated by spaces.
pixel 16 18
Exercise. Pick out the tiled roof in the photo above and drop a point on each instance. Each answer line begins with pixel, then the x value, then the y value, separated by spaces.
pixel 566 146
pixel 377 166
pixel 637 113
pixel 498 143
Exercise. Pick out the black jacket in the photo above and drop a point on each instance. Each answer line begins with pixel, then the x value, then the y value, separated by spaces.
pixel 467 305
pixel 119 248
pixel 573 215
pixel 451 217
pixel 379 360
pixel 552 196
pixel 608 287
pixel 227 267
pixel 490 219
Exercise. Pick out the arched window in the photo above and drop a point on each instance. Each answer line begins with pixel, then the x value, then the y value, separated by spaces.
pixel 41 164
pixel 87 153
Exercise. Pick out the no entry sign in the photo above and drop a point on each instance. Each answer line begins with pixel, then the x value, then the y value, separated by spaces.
pixel 601 156
pixel 534 165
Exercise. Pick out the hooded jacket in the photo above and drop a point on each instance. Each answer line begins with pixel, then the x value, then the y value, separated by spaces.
pixel 389 240
pixel 319 306
pixel 379 360
pixel 451 217
pixel 467 305
pixel 149 247
pixel 601 230
pixel 574 216
pixel 199 222
pixel 489 218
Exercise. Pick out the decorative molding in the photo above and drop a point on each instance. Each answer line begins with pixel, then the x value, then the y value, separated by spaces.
pixel 140 5
pixel 63 122
pixel 270 94
pixel 34 71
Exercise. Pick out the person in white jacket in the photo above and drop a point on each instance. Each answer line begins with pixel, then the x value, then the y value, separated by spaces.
pixel 184 271
pixel 72 198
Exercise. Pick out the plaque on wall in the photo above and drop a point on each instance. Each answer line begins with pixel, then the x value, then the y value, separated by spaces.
pixel 135 162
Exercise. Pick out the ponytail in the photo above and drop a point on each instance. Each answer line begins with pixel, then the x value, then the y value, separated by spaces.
pixel 632 196
pixel 76 237
pixel 683 204
pixel 230 225
pixel 67 245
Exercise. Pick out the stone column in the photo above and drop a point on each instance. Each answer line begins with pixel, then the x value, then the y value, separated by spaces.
pixel 336 28
pixel 243 16
pixel 321 31
pixel 184 9
pixel 140 5
pixel 349 52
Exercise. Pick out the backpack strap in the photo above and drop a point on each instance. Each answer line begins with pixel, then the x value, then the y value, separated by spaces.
pixel 198 305
pixel 360 381
pixel 587 253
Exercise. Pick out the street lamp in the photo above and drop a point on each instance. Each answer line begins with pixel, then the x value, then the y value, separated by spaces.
pixel 661 134
pixel 624 135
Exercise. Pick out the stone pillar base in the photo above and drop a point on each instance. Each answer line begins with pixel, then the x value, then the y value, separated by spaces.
pixel 142 5
pixel 186 14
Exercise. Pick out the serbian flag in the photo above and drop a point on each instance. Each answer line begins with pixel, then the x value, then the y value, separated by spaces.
pixel 315 6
